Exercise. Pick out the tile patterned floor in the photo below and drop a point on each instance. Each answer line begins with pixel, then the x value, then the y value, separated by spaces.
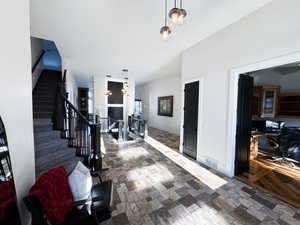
pixel 170 140
pixel 151 189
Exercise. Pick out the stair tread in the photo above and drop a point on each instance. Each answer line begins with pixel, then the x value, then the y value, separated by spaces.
pixel 50 149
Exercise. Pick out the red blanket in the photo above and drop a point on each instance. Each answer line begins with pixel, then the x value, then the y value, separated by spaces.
pixel 7 195
pixel 53 191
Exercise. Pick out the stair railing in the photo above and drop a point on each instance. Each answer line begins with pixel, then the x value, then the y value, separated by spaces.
pixel 81 133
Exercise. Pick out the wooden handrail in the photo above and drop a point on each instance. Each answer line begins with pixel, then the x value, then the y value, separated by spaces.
pixel 75 109
pixel 38 61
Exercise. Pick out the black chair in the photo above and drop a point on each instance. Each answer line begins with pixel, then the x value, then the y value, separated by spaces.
pixel 95 209
pixel 283 143
pixel 274 142
pixel 289 140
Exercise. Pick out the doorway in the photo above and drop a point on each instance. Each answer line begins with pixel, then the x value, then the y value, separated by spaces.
pixel 268 130
pixel 190 120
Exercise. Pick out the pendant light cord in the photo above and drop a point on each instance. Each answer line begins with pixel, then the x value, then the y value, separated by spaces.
pixel 181 4
pixel 175 3
pixel 166 11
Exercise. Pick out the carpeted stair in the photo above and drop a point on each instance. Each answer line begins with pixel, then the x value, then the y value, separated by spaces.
pixel 50 149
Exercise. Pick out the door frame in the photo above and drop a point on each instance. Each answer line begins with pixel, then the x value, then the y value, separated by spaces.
pixel 233 99
pixel 200 113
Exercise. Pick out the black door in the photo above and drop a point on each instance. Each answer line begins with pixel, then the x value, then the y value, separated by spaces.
pixel 244 118
pixel 190 126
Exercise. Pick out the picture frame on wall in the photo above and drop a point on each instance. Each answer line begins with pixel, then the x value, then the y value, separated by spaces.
pixel 165 106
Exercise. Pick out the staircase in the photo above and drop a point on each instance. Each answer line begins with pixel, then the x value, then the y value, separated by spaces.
pixel 44 93
pixel 50 149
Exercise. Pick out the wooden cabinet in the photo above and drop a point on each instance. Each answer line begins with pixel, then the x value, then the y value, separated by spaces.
pixel 289 105
pixel 265 101
pixel 270 101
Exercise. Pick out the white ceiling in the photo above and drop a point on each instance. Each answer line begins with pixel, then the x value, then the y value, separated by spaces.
pixel 99 37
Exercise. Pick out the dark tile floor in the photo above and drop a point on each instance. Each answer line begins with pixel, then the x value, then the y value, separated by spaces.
pixel 168 139
pixel 156 186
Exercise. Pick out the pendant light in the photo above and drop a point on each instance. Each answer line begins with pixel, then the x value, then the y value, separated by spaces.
pixel 174 14
pixel 108 92
pixel 165 31
pixel 182 15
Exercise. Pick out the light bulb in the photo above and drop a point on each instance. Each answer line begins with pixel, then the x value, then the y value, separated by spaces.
pixel 182 16
pixel 174 15
pixel 165 32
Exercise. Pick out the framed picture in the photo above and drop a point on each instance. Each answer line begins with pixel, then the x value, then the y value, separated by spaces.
pixel 165 106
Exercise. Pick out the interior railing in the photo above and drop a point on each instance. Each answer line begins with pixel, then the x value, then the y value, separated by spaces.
pixel 82 134
pixel 138 126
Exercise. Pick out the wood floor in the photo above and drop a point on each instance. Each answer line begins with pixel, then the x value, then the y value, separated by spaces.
pixel 281 181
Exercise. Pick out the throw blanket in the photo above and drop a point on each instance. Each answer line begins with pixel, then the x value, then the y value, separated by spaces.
pixel 7 196
pixel 53 191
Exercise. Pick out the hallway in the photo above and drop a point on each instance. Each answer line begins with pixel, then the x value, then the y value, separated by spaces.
pixel 151 189
pixel 170 140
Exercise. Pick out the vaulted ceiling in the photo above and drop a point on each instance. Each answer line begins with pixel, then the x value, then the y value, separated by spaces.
pixel 99 37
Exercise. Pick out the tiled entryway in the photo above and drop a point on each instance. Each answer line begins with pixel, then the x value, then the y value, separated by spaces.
pixel 151 189
pixel 169 139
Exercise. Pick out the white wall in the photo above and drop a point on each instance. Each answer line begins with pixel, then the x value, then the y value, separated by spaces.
pixel 71 87
pixel 16 94
pixel 36 51
pixel 149 94
pixel 271 31
pixel 100 88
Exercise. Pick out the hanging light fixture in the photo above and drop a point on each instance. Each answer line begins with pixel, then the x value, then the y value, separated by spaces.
pixel 174 14
pixel 108 93
pixel 182 15
pixel 165 31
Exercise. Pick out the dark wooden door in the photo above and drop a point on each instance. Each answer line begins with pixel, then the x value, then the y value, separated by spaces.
pixel 190 127
pixel 243 129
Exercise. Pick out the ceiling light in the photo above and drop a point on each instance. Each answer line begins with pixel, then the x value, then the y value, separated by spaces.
pixel 182 15
pixel 165 31
pixel 108 93
pixel 174 14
